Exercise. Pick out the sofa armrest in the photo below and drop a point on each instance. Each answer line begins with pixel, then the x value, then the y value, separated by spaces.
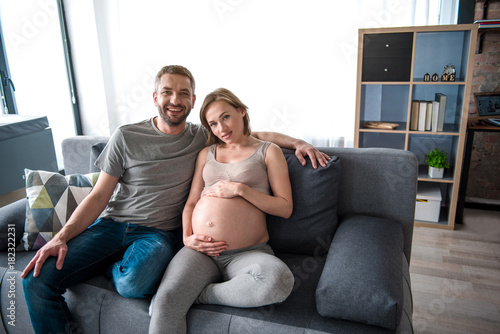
pixel 362 279
pixel 12 215
pixel 379 182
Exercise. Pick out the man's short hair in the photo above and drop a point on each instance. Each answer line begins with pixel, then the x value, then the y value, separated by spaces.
pixel 174 69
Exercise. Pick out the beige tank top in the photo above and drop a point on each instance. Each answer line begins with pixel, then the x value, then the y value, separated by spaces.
pixel 252 171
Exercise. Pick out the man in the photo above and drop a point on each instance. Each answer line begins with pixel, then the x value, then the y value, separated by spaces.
pixel 133 231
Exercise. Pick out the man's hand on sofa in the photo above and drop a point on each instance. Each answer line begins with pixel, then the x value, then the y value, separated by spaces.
pixel 55 248
pixel 303 149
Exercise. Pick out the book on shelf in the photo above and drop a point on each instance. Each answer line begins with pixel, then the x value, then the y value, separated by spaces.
pixel 435 116
pixel 441 98
pixel 422 115
pixel 414 115
pixel 488 23
pixel 428 116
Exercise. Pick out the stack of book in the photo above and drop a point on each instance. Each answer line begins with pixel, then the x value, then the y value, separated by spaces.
pixel 488 23
pixel 428 115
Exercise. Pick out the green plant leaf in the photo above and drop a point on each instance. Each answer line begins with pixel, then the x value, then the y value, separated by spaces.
pixel 437 158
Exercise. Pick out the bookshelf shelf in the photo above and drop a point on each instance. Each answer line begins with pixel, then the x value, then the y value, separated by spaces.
pixel 446 83
pixel 391 88
pixel 382 131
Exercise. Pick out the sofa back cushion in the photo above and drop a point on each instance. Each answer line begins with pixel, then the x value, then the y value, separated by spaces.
pixel 95 151
pixel 76 153
pixel 313 222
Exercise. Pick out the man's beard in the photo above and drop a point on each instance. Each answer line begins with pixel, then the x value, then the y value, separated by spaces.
pixel 172 122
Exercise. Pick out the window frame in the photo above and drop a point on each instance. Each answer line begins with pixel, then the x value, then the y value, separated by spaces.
pixel 8 103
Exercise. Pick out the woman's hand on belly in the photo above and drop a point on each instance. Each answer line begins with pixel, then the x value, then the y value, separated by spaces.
pixel 233 220
pixel 222 189
pixel 205 244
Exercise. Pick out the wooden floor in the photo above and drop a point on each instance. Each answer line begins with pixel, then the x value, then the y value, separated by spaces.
pixel 455 276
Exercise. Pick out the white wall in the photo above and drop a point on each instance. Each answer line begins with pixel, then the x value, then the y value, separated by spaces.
pixel 293 62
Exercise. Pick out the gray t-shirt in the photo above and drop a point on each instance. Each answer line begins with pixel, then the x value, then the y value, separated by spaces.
pixel 155 171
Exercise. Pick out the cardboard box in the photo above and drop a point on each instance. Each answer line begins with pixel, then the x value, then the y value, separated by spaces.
pixel 428 205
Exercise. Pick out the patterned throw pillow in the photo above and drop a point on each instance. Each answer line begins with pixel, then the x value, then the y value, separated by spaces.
pixel 52 198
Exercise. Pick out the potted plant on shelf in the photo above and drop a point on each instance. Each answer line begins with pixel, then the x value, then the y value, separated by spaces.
pixel 437 163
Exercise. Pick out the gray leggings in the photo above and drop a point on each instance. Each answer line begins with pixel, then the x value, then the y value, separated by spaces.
pixel 248 277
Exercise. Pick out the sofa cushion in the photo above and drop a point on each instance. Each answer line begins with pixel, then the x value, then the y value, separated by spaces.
pixel 311 226
pixel 52 198
pixel 363 275
pixel 297 314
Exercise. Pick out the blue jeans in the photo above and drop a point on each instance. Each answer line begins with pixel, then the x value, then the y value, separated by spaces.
pixel 139 256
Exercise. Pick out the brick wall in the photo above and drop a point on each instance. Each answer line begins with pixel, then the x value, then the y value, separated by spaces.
pixel 484 175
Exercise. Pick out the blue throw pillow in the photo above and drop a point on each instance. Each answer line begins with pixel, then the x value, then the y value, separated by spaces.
pixel 313 222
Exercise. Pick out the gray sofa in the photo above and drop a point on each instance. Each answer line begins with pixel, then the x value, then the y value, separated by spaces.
pixel 348 243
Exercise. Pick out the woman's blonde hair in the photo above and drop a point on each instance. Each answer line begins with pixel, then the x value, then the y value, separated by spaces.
pixel 223 94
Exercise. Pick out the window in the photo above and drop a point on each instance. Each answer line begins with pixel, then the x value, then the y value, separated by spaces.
pixel 33 44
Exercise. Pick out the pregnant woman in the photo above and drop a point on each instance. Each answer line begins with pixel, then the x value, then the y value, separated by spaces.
pixel 226 259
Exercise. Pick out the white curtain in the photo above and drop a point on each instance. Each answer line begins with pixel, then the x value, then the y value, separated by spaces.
pixel 293 62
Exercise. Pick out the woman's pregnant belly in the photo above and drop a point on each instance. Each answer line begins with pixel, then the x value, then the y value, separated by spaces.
pixel 233 220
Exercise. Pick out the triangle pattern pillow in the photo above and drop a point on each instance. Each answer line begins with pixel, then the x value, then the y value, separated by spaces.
pixel 52 198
